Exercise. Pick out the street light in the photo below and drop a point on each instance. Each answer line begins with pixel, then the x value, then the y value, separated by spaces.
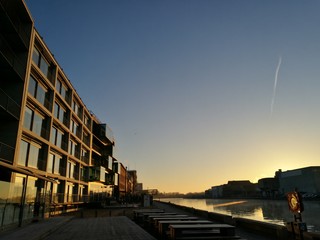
pixel 125 186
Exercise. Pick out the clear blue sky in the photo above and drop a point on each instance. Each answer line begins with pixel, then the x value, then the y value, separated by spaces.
pixel 194 91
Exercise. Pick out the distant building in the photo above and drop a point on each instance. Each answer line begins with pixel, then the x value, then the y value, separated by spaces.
pixel 139 188
pixel 306 180
pixel 236 189
pixel 217 191
pixel 269 187
pixel 134 180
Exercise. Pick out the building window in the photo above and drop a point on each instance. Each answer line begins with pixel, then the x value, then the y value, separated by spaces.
pixel 86 138
pixel 57 137
pixel 27 123
pixel 75 128
pixel 72 147
pixel 41 62
pixel 38 91
pixel 29 154
pixel 76 108
pixel 62 89
pixel 83 173
pixel 87 121
pixel 70 169
pixel 33 121
pixel 53 165
pixel 60 113
pixel 84 155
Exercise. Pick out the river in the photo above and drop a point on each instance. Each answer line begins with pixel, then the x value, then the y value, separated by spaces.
pixel 272 211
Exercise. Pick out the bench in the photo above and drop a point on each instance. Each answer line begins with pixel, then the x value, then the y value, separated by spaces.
pixel 187 218
pixel 163 225
pixel 177 231
pixel 148 216
pixel 153 218
pixel 138 214
pixel 210 238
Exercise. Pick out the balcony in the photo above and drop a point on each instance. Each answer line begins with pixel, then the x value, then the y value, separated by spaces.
pixel 16 23
pixel 6 152
pixel 105 131
pixel 10 61
pixel 97 174
pixel 9 105
pixel 85 158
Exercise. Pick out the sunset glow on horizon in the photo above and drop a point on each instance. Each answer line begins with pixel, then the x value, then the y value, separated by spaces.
pixel 197 93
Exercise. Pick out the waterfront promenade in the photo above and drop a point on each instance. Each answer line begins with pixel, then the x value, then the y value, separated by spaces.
pixel 75 228
pixel 113 223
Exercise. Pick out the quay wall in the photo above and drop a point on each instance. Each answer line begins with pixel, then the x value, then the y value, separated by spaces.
pixel 265 229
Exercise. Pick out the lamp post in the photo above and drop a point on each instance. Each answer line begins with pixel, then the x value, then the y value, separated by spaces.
pixel 125 186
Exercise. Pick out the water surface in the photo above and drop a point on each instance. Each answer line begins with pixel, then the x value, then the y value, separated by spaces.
pixel 272 211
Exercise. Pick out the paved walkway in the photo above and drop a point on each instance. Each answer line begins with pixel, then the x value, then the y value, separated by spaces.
pixel 37 230
pixel 68 228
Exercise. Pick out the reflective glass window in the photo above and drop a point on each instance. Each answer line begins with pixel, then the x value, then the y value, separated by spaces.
pixel 59 139
pixel 56 169
pixel 23 153
pixel 53 135
pixel 35 56
pixel 50 163
pixel 37 124
pixel 33 156
pixel 32 86
pixel 44 66
pixel 27 118
pixel 41 94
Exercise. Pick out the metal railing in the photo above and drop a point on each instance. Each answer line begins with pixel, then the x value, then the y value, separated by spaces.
pixel 61 198
pixel 11 58
pixel 6 152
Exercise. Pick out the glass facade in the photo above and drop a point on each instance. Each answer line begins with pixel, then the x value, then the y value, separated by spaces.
pixel 29 154
pixel 53 165
pixel 55 138
pixel 33 121
pixel 41 62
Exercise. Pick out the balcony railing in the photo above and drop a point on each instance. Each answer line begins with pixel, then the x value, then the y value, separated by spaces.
pixel 9 104
pixel 86 140
pixel 11 58
pixel 20 27
pixel 6 152
pixel 69 198
pixel 96 147
pixel 85 158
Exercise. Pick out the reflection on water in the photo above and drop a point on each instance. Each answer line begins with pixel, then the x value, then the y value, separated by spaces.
pixel 272 211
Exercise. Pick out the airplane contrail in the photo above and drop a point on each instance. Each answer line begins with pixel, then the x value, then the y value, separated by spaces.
pixel 275 85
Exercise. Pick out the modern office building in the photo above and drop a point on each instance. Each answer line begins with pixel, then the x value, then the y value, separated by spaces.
pixel 54 153
pixel 305 180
